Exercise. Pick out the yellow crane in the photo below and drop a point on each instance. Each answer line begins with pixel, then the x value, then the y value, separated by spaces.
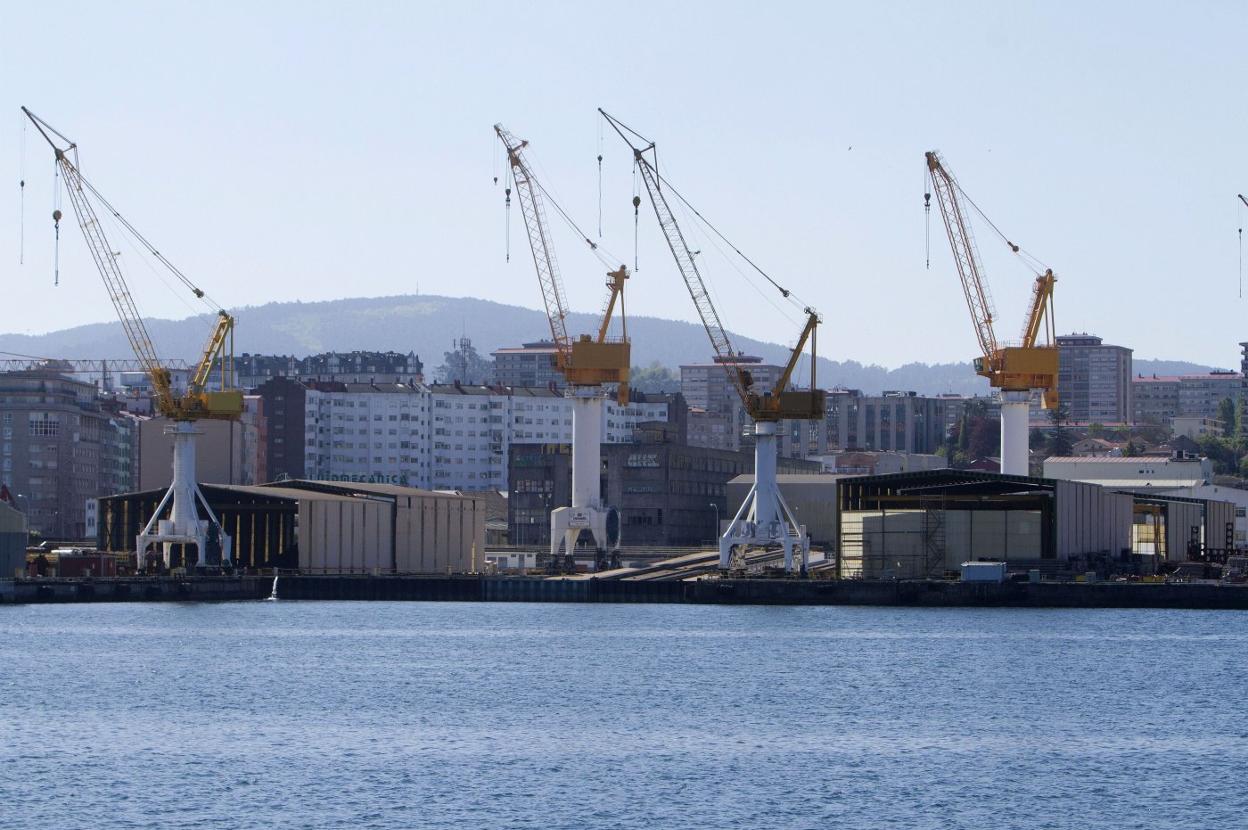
pixel 184 527
pixel 764 519
pixel 586 362
pixel 1015 369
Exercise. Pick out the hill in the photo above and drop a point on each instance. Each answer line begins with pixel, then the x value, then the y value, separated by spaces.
pixel 427 325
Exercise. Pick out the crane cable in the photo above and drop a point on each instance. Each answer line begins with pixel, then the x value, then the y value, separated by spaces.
pixel 783 291
pixel 21 189
pixel 599 178
pixel 1032 261
pixel 56 223
pixel 1240 207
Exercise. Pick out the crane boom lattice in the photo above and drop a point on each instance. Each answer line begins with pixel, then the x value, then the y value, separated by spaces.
pixel 535 225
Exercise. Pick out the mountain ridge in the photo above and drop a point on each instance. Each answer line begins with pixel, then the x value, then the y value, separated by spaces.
pixel 428 324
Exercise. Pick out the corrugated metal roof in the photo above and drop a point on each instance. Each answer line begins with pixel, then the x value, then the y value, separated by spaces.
pixel 347 487
pixel 794 478
pixel 1122 459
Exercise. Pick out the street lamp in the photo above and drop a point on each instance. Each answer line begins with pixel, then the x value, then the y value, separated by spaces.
pixel 716 506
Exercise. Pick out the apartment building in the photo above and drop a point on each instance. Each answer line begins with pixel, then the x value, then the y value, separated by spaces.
pixel 59 447
pixel 1159 399
pixel 1094 380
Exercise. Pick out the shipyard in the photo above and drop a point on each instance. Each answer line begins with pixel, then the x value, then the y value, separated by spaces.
pixel 583 416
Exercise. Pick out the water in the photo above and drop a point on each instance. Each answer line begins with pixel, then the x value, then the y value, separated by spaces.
pixel 379 715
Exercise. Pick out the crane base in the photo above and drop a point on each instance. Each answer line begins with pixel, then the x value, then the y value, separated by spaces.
pixel 566 525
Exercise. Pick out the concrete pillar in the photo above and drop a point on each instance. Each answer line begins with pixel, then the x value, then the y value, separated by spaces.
pixel 1015 411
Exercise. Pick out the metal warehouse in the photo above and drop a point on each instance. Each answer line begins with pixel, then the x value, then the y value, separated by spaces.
pixel 321 527
pixel 926 523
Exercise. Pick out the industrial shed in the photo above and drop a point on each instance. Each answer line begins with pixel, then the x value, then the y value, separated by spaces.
pixel 925 523
pixel 427 531
pixel 322 527
pixel 811 497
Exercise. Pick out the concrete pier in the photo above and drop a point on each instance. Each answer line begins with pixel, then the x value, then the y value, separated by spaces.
pixel 906 593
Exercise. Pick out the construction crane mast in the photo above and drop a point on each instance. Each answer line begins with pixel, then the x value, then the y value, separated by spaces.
pixel 197 402
pixel 586 362
pixel 764 519
pixel 1015 369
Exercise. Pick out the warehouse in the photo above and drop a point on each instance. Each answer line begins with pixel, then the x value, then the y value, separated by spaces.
pixel 926 523
pixel 320 527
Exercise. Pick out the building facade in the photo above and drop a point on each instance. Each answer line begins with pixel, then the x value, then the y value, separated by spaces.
pixel 669 494
pixel 900 422
pixel 440 436
pixel 530 365
pixel 56 442
pixel 1094 380
pixel 253 370
pixel 717 416
pixel 1159 399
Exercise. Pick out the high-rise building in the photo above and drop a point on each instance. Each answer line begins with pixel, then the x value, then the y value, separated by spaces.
pixel 903 422
pixel 1243 391
pixel 531 365
pixel 55 440
pixel 717 416
pixel 1094 380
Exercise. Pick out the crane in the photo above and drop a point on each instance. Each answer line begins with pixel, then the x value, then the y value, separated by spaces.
pixel 1015 369
pixel 587 362
pixel 183 408
pixel 764 519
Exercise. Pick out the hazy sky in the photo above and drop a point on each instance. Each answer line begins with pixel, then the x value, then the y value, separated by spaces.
pixel 283 151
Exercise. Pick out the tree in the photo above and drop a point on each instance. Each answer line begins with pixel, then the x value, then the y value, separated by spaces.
pixel 985 440
pixel 1130 449
pixel 1226 413
pixel 653 378
pixel 1059 441
pixel 1035 440
pixel 1096 430
pixel 464 365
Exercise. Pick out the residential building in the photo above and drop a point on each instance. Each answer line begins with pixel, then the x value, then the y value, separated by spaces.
pixel 443 436
pixel 902 422
pixel 255 437
pixel 253 370
pixel 1159 399
pixel 1243 391
pixel 719 417
pixel 283 406
pixel 1197 426
pixel 375 433
pixel 1154 399
pixel 55 439
pixel 531 365
pixel 1094 380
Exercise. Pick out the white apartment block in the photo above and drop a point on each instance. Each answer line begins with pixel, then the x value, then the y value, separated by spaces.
pixel 368 432
pixel 444 436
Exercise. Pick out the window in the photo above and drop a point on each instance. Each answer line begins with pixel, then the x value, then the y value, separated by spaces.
pixel 44 426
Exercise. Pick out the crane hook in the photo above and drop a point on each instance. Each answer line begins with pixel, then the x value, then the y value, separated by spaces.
pixel 56 259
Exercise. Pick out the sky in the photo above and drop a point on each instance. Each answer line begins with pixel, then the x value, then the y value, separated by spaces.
pixel 312 151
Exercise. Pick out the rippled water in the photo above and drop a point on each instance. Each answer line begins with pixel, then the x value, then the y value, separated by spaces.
pixel 398 715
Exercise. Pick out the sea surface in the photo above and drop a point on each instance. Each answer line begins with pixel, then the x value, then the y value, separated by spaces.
pixel 411 715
